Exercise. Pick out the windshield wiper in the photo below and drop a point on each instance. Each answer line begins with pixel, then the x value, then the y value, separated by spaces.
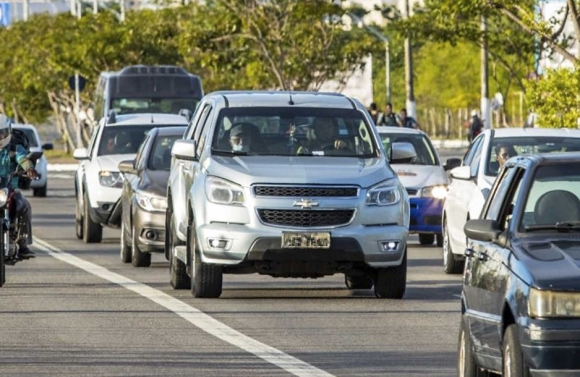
pixel 566 226
pixel 229 153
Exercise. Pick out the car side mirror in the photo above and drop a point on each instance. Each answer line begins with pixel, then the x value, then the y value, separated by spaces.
pixel 127 167
pixel 186 113
pixel 402 153
pixel 34 156
pixel 81 154
pixel 184 150
pixel 482 230
pixel 452 163
pixel 47 146
pixel 461 172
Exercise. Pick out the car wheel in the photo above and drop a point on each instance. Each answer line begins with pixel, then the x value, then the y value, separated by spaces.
pixel 138 258
pixel 92 231
pixel 439 238
pixel 450 264
pixel 2 265
pixel 358 281
pixel 125 248
pixel 178 277
pixel 426 239
pixel 207 278
pixel 391 282
pixel 40 192
pixel 514 364
pixel 466 361
pixel 78 220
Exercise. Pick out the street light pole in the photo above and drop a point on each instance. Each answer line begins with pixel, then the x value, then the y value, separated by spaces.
pixel 95 6
pixel 485 105
pixel 409 85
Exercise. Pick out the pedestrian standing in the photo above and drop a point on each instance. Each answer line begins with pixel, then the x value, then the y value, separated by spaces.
pixel 407 121
pixel 374 112
pixel 388 118
pixel 475 126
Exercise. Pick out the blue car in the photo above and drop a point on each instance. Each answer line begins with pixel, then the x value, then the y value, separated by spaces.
pixel 425 178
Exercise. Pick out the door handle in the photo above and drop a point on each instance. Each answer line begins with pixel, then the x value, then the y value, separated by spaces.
pixel 469 252
pixel 483 256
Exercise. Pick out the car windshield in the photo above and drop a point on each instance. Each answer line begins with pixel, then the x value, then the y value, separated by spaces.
pixel 423 148
pixel 32 140
pixel 293 131
pixel 152 105
pixel 505 148
pixel 124 139
pixel 553 201
pixel 160 156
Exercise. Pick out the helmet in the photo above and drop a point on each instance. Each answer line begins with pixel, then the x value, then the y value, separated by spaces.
pixel 5 131
pixel 473 113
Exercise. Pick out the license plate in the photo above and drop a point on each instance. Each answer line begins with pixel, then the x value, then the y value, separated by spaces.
pixel 305 240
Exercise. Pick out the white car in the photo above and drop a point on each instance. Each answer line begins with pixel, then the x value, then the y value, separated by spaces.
pixel 424 177
pixel 471 182
pixel 98 182
pixel 38 185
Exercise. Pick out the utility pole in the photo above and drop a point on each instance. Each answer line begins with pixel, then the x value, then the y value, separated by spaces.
pixel 25 9
pixel 73 7
pixel 485 105
pixel 78 110
pixel 409 86
pixel 95 6
pixel 122 10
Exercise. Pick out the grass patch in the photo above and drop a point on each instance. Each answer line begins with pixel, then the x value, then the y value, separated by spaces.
pixel 57 156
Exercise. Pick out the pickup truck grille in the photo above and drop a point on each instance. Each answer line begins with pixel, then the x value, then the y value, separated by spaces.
pixel 305 218
pixel 310 191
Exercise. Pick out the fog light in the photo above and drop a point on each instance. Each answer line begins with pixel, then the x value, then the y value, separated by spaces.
pixel 389 245
pixel 218 243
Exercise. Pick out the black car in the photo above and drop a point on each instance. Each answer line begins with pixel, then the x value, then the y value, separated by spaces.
pixel 521 285
pixel 144 196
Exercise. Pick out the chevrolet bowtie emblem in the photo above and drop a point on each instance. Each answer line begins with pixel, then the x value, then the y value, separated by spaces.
pixel 305 203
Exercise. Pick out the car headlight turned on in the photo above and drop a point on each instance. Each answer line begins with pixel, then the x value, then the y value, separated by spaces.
pixel 151 203
pixel 437 192
pixel 384 194
pixel 220 191
pixel 110 178
pixel 545 304
pixel 3 197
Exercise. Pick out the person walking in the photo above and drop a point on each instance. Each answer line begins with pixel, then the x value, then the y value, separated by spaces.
pixel 475 126
pixel 388 118
pixel 407 121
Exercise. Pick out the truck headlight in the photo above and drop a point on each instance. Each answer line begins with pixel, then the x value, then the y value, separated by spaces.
pixel 542 304
pixel 110 178
pixel 3 197
pixel 384 194
pixel 151 203
pixel 221 191
pixel 437 192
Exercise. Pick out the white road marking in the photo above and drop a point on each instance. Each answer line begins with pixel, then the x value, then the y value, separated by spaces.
pixel 60 176
pixel 458 296
pixel 189 313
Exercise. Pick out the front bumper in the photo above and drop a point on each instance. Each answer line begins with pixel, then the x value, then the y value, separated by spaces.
pixel 357 244
pixel 108 206
pixel 425 215
pixel 150 228
pixel 552 347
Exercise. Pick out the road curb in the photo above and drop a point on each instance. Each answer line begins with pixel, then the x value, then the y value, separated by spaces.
pixel 62 167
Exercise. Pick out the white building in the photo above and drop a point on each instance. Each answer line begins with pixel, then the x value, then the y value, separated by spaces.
pixel 554 10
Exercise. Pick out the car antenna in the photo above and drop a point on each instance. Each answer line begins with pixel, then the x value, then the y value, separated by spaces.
pixel 152 121
pixel 291 102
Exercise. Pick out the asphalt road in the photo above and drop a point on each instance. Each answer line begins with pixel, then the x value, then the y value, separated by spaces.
pixel 77 310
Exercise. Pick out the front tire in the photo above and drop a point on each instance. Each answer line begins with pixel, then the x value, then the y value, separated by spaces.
pixel 78 219
pixel 514 363
pixel 391 282
pixel 40 192
pixel 178 277
pixel 358 282
pixel 92 231
pixel 207 279
pixel 466 364
pixel 2 265
pixel 426 239
pixel 125 248
pixel 138 258
pixel 450 264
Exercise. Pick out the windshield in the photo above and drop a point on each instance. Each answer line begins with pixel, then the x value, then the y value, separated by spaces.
pixel 554 197
pixel 423 148
pixel 504 148
pixel 160 156
pixel 32 141
pixel 125 139
pixel 289 131
pixel 153 105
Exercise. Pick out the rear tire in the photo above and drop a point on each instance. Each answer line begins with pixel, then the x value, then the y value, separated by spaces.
pixel 178 277
pixel 92 231
pixel 2 265
pixel 426 239
pixel 207 279
pixel 466 361
pixel 450 264
pixel 78 219
pixel 138 258
pixel 514 363
pixel 439 239
pixel 391 282
pixel 39 192
pixel 125 249
pixel 358 282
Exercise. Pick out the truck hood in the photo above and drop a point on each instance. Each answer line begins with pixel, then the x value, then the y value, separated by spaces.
pixel 111 162
pixel 553 264
pixel 419 176
pixel 248 170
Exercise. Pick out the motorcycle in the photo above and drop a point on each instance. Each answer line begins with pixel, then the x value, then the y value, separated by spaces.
pixel 10 231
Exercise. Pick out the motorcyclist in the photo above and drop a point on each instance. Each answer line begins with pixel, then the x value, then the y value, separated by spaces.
pixel 11 155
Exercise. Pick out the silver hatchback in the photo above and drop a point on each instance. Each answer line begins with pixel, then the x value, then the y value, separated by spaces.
pixel 287 185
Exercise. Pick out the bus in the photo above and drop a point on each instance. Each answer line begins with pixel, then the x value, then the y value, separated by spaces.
pixel 147 89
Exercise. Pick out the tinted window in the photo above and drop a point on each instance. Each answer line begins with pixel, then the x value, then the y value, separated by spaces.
pixel 425 153
pixel 152 105
pixel 294 131
pixel 160 156
pixel 124 139
pixel 32 140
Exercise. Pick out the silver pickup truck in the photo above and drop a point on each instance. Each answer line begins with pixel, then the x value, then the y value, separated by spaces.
pixel 286 184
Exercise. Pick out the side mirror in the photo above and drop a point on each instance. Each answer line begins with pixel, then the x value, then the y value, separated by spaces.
pixel 461 172
pixel 127 167
pixel 47 146
pixel 402 153
pixel 184 150
pixel 452 163
pixel 81 154
pixel 482 230
pixel 34 156
pixel 186 113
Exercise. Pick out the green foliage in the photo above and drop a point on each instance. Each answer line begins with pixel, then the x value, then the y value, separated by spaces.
pixel 555 98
